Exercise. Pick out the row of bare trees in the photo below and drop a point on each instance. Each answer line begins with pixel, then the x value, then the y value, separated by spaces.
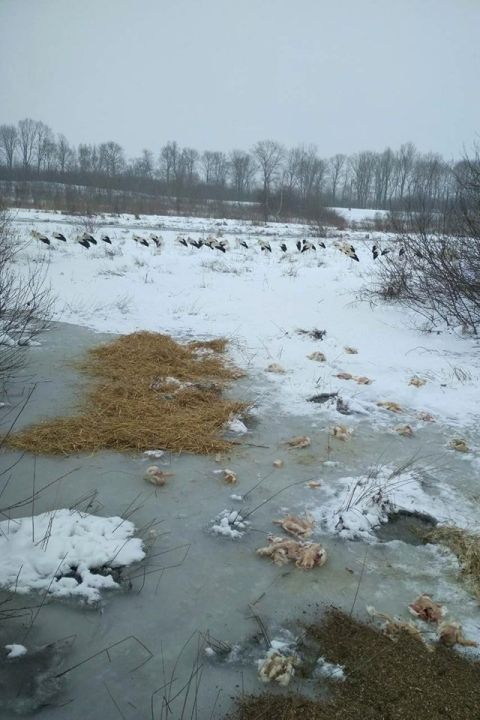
pixel 282 179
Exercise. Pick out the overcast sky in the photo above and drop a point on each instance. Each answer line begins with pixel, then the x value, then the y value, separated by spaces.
pixel 346 75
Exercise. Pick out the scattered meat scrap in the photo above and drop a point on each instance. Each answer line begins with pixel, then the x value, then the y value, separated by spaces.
pixel 278 668
pixel 389 405
pixel 450 633
pixel 417 382
pixel 341 432
pixel 306 555
pixel 317 356
pixel 156 476
pixel 299 442
pixel 294 525
pixel 275 368
pixel 459 445
pixel 426 609
pixel 404 430
pixel 229 477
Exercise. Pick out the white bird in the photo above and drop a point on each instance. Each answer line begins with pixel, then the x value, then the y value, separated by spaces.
pixel 264 246
pixel 89 238
pixel 347 250
pixel 157 239
pixel 39 236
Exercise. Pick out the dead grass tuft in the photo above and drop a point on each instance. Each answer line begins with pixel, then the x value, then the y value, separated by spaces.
pixel 466 546
pixel 147 391
pixel 396 680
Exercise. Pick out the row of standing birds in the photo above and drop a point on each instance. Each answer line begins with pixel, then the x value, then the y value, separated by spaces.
pixel 86 239
pixel 302 246
pixel 215 243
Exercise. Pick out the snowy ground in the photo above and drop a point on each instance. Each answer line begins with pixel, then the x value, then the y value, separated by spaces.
pixel 259 300
pixel 65 553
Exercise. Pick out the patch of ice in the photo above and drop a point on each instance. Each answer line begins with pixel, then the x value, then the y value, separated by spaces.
pixel 39 553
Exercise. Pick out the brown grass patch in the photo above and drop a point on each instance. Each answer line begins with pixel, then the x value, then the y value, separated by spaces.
pixel 396 680
pixel 466 546
pixel 147 391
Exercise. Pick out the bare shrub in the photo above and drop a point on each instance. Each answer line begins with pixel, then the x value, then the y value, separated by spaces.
pixel 436 269
pixel 89 223
pixel 25 299
pixel 326 217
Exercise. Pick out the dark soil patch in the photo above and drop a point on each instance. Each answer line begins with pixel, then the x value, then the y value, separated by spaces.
pixel 385 680
pixel 410 527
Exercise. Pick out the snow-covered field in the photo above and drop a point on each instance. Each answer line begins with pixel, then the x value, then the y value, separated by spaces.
pixel 366 356
pixel 259 300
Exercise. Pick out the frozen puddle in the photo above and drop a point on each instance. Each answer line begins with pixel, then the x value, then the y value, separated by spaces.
pixel 193 581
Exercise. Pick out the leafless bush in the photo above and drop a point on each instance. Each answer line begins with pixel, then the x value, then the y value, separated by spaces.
pixel 436 272
pixel 25 299
pixel 89 223
pixel 438 276
pixel 326 217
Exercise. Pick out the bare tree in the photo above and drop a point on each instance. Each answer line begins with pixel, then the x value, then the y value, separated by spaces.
pixel 43 144
pixel 208 164
pixel 405 162
pixel 311 171
pixel 384 177
pixel 27 137
pixel 8 143
pixel 336 166
pixel 188 164
pixel 269 155
pixel 168 161
pixel 241 171
pixel 64 153
pixel 362 166
pixel 215 168
pixel 88 158
pixel 112 159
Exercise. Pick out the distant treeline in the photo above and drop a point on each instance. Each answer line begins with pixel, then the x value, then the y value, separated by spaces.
pixel 269 180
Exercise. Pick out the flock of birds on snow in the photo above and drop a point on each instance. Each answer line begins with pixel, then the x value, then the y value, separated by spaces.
pixel 215 243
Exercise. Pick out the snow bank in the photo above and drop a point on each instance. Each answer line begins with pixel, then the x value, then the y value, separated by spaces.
pixel 329 671
pixel 354 507
pixel 229 523
pixel 60 553
pixel 15 650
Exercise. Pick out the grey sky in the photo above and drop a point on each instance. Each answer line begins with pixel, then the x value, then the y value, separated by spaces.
pixel 346 75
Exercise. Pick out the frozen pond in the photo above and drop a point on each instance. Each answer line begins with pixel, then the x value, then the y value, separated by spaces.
pixel 204 582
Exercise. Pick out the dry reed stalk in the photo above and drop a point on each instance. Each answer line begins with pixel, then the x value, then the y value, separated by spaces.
pixel 466 546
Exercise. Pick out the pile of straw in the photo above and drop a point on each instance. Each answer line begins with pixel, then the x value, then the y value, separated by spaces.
pixel 147 391
pixel 466 546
